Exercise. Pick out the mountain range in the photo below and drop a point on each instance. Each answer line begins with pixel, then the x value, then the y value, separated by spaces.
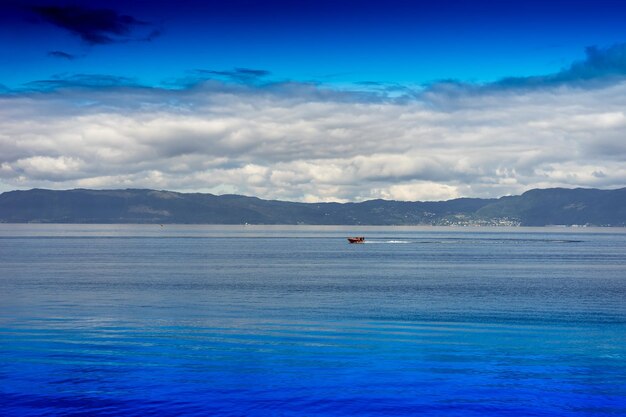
pixel 537 207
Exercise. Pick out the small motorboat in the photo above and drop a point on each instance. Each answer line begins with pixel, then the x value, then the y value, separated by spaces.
pixel 359 239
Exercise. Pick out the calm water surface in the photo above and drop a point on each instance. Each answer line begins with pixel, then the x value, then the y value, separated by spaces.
pixel 293 321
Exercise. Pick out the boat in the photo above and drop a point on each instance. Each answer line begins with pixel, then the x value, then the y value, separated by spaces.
pixel 358 239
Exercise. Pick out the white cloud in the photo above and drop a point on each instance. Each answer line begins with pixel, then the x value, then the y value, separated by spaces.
pixel 302 143
pixel 417 191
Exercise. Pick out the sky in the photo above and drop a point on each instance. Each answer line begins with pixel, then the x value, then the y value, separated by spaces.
pixel 327 100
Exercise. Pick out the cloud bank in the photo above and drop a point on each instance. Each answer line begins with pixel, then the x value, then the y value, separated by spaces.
pixel 305 142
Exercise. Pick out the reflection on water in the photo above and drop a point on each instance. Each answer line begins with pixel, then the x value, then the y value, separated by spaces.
pixel 200 320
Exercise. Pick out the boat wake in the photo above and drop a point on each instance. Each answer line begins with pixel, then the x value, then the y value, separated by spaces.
pixel 387 241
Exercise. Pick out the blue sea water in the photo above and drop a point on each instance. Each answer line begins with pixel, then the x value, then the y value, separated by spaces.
pixel 106 320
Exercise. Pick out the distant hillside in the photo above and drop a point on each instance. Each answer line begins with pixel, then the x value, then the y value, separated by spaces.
pixel 562 206
pixel 533 208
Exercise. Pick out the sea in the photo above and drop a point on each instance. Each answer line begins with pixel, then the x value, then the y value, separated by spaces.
pixel 196 320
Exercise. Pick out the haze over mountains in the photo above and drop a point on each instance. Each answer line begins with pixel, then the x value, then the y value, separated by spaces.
pixel 538 207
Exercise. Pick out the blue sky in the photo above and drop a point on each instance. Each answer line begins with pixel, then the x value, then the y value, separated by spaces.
pixel 313 100
pixel 334 42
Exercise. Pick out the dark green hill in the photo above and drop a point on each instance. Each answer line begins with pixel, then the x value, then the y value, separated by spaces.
pixel 562 206
pixel 533 208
